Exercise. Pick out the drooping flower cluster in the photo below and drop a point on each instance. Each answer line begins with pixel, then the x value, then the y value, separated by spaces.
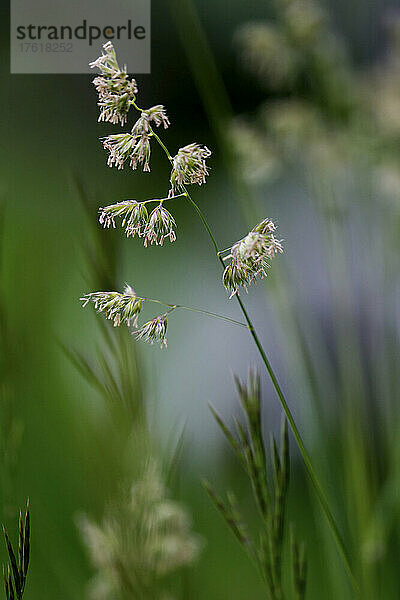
pixel 115 89
pixel 157 115
pixel 125 309
pixel 161 225
pixel 142 539
pixel 251 257
pixel 117 307
pixel 136 220
pixel 135 145
pixel 189 166
pixel 154 331
pixel 134 216
pixel 123 146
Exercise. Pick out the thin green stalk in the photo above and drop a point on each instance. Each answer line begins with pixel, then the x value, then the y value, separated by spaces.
pixel 305 456
pixel 197 310
pixel 162 200
pixel 211 314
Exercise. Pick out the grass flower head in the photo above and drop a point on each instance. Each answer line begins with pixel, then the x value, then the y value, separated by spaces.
pixel 189 166
pixel 115 90
pixel 127 146
pixel 117 307
pixel 154 330
pixel 161 225
pixel 251 257
pixel 157 115
pixel 135 146
pixel 134 216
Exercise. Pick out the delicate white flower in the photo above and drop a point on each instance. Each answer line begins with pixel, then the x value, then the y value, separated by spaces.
pixel 189 166
pixel 120 308
pixel 154 330
pixel 161 225
pixel 251 257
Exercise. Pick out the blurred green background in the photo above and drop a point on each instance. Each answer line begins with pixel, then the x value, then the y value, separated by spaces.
pixel 328 315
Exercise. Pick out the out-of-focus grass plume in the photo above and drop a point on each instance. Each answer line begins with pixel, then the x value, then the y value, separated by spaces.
pixel 143 540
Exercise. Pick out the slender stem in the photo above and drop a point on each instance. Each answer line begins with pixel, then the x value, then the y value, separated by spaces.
pixel 163 146
pixel 211 314
pixel 172 197
pixel 210 234
pixel 162 200
pixel 306 458
pixel 197 310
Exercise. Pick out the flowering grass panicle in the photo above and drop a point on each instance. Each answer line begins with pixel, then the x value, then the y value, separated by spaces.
pixel 116 91
pixel 117 307
pixel 117 95
pixel 154 330
pixel 251 257
pixel 189 166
